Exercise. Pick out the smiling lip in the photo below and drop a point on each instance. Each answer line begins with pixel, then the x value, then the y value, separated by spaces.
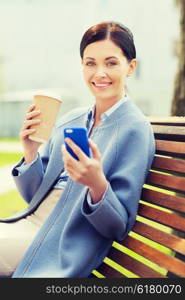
pixel 101 85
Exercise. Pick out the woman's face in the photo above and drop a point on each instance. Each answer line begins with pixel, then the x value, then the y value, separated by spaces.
pixel 105 69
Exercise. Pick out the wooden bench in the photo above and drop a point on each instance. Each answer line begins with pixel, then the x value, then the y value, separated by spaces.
pixel 156 246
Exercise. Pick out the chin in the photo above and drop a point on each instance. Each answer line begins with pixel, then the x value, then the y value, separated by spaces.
pixel 106 96
pixel 103 95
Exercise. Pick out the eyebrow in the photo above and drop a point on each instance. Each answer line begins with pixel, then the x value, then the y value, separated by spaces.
pixel 109 57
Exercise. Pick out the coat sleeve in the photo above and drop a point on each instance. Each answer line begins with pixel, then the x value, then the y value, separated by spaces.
pixel 29 181
pixel 116 214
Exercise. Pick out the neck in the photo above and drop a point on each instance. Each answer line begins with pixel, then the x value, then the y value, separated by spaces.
pixel 103 105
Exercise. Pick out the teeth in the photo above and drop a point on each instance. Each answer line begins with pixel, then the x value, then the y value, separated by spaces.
pixel 102 84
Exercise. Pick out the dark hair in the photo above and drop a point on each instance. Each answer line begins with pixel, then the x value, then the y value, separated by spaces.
pixel 116 32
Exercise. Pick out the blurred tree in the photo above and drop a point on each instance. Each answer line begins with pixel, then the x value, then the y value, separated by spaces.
pixel 178 101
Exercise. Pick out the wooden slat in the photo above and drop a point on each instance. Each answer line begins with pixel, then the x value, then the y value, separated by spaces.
pixel 169 219
pixel 165 200
pixel 169 164
pixel 170 146
pixel 107 271
pixel 168 262
pixel 173 182
pixel 171 120
pixel 132 264
pixel 169 130
pixel 161 237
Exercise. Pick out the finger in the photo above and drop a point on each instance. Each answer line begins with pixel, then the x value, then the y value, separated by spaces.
pixel 28 123
pixel 23 134
pixel 32 114
pixel 69 160
pixel 95 151
pixel 31 107
pixel 64 152
pixel 71 173
pixel 79 153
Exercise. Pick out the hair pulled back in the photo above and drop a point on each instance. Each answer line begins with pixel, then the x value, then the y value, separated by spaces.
pixel 116 32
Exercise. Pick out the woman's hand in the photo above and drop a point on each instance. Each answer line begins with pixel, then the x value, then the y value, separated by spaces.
pixel 30 147
pixel 87 171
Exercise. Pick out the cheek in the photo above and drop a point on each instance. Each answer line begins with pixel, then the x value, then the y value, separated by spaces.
pixel 121 75
pixel 119 79
pixel 87 74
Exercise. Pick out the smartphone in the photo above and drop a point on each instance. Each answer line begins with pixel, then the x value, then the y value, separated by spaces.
pixel 79 137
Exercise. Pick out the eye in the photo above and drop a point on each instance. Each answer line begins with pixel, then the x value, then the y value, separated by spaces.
pixel 90 63
pixel 111 63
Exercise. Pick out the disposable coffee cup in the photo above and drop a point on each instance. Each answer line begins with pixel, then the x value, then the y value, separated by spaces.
pixel 49 105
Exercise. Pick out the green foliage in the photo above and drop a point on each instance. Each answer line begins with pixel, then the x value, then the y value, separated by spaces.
pixel 7 158
pixel 9 139
pixel 10 203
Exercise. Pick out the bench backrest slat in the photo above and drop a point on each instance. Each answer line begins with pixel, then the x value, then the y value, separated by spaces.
pixel 170 263
pixel 108 271
pixel 178 131
pixel 133 265
pixel 169 164
pixel 162 217
pixel 164 200
pixel 162 180
pixel 171 241
pixel 167 120
pixel 170 147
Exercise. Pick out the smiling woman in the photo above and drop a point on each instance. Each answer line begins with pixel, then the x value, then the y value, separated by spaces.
pixel 78 207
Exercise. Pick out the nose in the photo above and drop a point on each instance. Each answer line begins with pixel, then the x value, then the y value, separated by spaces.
pixel 100 72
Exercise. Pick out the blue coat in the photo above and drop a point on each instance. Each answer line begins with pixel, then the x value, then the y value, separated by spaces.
pixel 74 239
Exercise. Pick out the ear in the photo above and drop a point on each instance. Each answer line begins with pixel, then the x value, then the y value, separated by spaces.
pixel 132 66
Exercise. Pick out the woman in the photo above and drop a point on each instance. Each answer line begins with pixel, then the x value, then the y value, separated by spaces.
pixel 78 208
